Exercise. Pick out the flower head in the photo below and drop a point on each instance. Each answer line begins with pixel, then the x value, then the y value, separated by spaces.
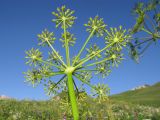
pixel 51 88
pixel 116 57
pixel 93 50
pixel 86 76
pixel 97 25
pixel 64 15
pixel 70 39
pixel 33 56
pixel 46 37
pixel 103 69
pixel 53 57
pixel 101 91
pixel 34 76
pixel 46 71
pixel 117 37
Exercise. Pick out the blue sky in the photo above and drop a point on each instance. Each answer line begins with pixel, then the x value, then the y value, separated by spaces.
pixel 22 20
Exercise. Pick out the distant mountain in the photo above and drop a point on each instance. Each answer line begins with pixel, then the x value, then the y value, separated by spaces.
pixel 147 95
pixel 4 97
pixel 140 87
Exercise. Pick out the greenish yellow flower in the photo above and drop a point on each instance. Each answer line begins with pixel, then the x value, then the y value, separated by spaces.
pixel 64 15
pixel 101 91
pixel 92 51
pixel 86 76
pixel 116 57
pixel 46 71
pixel 46 37
pixel 70 39
pixel 33 56
pixel 53 57
pixel 51 88
pixel 103 69
pixel 118 37
pixel 97 25
pixel 34 76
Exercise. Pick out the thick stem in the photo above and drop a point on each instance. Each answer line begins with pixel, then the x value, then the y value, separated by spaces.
pixel 72 97
pixel 66 44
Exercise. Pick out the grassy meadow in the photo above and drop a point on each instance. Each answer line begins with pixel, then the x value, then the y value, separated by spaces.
pixel 142 104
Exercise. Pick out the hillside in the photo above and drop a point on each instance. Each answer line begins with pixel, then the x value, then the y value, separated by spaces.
pixel 146 96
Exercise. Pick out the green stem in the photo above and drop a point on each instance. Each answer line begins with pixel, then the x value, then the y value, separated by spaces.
pixel 144 38
pixel 56 53
pixel 145 48
pixel 87 40
pixel 58 73
pixel 45 62
pixel 143 42
pixel 66 44
pixel 54 74
pixel 86 70
pixel 84 81
pixel 58 82
pixel 76 87
pixel 88 58
pixel 149 19
pixel 72 97
pixel 95 63
pixel 146 31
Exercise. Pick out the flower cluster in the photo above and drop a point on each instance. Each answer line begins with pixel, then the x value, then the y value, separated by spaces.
pixel 92 51
pixel 51 88
pixel 64 15
pixel 53 57
pixel 96 25
pixel 46 71
pixel 103 69
pixel 101 91
pixel 118 37
pixel 34 76
pixel 76 68
pixel 46 37
pixel 70 39
pixel 33 56
pixel 86 76
pixel 116 57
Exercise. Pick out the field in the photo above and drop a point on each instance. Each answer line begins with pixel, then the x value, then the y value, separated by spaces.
pixel 142 104
pixel 149 96
pixel 51 110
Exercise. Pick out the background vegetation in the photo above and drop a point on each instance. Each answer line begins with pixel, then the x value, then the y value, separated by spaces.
pixel 131 105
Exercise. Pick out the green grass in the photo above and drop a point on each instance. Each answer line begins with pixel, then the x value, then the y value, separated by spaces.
pixel 50 110
pixel 124 106
pixel 145 96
